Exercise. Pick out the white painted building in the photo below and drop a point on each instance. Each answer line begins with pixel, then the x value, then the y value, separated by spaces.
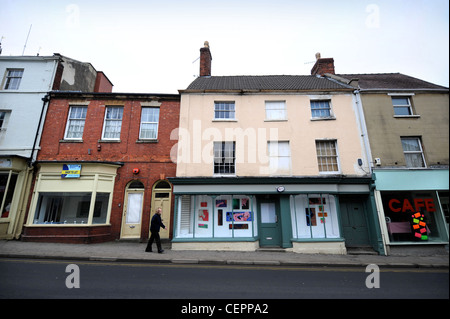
pixel 24 84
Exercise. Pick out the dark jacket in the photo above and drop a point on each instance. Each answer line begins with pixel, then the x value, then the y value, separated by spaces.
pixel 156 223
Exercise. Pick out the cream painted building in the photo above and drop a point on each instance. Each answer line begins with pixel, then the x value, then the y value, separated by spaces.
pixel 271 161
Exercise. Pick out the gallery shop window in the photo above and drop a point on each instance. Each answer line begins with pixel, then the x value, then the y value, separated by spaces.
pixel 279 157
pixel 224 216
pixel 402 105
pixel 321 109
pixel 149 123
pixel 327 156
pixel 276 110
pixel 413 216
pixel 412 148
pixel 75 122
pixel 7 186
pixel 314 216
pixel 13 78
pixel 224 111
pixel 113 122
pixel 224 157
pixel 71 208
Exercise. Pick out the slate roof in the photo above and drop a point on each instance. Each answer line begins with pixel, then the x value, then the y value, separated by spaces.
pixel 390 81
pixel 266 83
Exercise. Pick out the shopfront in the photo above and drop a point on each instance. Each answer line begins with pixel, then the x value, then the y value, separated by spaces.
pixel 15 176
pixel 251 213
pixel 413 207
pixel 71 203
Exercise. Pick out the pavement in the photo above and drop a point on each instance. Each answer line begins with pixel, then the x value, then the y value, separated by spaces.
pixel 135 252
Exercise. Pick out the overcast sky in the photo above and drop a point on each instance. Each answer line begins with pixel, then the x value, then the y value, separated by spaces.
pixel 153 46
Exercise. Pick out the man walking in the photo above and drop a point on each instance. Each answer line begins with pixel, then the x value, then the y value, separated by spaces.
pixel 155 225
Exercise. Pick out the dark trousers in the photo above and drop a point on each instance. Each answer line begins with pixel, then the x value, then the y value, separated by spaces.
pixel 154 237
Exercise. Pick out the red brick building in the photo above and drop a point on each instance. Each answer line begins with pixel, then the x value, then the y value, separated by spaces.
pixel 102 168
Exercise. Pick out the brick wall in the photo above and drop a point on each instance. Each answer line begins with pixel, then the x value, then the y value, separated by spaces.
pixel 151 158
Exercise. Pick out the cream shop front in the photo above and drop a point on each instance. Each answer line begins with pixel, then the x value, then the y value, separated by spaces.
pixel 413 208
pixel 304 215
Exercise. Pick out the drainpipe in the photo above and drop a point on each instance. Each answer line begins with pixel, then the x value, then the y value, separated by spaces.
pixel 45 100
pixel 363 126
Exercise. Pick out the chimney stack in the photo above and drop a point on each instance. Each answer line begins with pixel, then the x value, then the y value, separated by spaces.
pixel 322 66
pixel 205 60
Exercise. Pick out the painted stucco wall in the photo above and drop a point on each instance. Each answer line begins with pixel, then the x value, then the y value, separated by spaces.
pixel 431 124
pixel 251 132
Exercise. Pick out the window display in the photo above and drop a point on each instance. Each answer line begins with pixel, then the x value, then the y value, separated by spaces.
pixel 314 216
pixel 412 216
pixel 224 216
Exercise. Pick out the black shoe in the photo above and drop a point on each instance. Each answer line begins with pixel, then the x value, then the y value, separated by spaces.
pixel 148 251
pixel 160 251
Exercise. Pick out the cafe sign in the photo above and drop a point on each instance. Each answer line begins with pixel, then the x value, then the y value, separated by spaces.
pixel 71 171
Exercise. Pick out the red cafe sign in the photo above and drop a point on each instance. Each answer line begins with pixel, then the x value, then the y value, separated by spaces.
pixel 405 205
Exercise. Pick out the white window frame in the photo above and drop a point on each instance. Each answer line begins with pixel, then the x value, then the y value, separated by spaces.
pixel 69 119
pixel 9 76
pixel 112 120
pixel 409 106
pixel 221 160
pixel 327 155
pixel 276 110
pixel 329 108
pixel 144 122
pixel 414 152
pixel 231 112
pixel 277 156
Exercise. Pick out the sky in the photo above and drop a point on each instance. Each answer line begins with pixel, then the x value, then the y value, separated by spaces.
pixel 154 46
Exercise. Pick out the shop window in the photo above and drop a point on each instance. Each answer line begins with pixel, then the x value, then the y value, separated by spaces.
pixel 71 208
pixel 314 216
pixel 223 216
pixel 412 216
pixel 7 187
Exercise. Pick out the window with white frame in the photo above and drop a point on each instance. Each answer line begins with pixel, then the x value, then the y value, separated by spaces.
pixel 149 123
pixel 13 78
pixel 327 156
pixel 224 111
pixel 276 110
pixel 75 122
pixel 279 157
pixel 402 105
pixel 113 122
pixel 321 109
pixel 412 148
pixel 224 158
pixel 4 118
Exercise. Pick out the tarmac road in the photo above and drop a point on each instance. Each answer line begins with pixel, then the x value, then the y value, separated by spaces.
pixel 38 278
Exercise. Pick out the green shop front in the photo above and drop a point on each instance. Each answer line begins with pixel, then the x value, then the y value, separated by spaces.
pixel 413 206
pixel 304 215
